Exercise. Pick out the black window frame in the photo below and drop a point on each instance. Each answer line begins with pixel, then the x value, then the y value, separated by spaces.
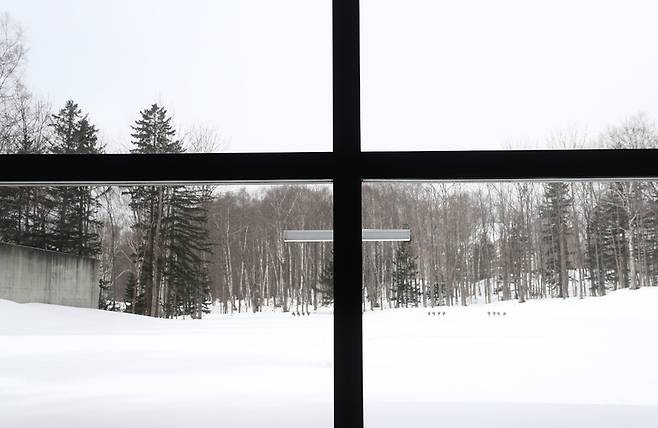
pixel 347 167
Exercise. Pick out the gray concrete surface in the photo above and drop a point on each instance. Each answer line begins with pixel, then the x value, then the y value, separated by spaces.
pixel 30 275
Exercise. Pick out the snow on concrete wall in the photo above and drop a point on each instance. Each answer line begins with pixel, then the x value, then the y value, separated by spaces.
pixel 30 275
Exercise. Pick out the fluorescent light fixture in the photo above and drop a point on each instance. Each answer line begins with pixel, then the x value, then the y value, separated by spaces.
pixel 367 235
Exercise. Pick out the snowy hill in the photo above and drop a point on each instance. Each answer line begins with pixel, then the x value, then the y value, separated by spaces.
pixel 550 363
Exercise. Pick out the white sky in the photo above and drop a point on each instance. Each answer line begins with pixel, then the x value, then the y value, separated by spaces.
pixel 459 74
pixel 482 74
pixel 258 71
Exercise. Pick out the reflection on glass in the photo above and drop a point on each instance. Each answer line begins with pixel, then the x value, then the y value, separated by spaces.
pixel 165 306
pixel 513 304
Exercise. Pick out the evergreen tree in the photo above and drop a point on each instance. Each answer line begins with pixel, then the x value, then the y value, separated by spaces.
pixel 172 225
pixel 605 246
pixel 185 270
pixel 598 251
pixel 406 290
pixel 75 225
pixel 25 212
pixel 26 216
pixel 152 133
pixel 608 255
pixel 326 281
pixel 556 228
pixel 129 293
pixel 650 238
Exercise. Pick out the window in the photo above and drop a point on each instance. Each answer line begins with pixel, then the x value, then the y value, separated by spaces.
pixel 510 299
pixel 347 166
pixel 161 304
pixel 512 74
pixel 234 75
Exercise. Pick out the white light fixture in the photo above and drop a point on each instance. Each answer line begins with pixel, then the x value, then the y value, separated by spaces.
pixel 367 235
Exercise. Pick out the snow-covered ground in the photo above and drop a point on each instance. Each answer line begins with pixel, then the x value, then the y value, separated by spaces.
pixel 554 363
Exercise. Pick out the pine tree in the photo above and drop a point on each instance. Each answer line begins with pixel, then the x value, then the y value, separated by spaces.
pixel 152 133
pixel 26 216
pixel 556 228
pixel 608 255
pixel 25 212
pixel 129 293
pixel 597 251
pixel 406 290
pixel 326 281
pixel 172 226
pixel 650 241
pixel 185 270
pixel 75 224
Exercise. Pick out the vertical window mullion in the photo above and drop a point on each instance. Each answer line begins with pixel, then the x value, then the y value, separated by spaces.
pixel 348 337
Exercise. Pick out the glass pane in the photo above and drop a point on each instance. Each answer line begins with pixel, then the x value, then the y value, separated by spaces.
pixel 475 74
pixel 165 306
pixel 241 75
pixel 513 305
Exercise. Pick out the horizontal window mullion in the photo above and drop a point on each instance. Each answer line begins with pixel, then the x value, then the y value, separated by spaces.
pixel 166 169
pixel 311 167
pixel 510 165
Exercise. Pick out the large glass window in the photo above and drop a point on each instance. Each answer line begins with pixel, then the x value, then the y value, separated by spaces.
pixel 238 74
pixel 162 303
pixel 154 304
pixel 165 306
pixel 514 304
pixel 481 75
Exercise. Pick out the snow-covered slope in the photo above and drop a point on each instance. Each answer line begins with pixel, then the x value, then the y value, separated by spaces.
pixel 553 363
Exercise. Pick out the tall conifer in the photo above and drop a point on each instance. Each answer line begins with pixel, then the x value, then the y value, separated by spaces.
pixel 75 228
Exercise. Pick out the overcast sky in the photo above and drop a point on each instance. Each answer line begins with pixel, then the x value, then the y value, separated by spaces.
pixel 484 74
pixel 462 74
pixel 258 71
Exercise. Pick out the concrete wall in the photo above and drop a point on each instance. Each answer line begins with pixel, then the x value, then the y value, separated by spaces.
pixel 29 275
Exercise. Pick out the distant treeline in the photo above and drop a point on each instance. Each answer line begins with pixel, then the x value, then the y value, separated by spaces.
pixel 173 251
pixel 490 242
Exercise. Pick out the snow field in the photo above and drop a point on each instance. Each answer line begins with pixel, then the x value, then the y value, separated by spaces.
pixel 551 363
pixel 65 367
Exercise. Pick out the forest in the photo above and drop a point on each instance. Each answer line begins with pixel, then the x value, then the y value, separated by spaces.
pixel 178 251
